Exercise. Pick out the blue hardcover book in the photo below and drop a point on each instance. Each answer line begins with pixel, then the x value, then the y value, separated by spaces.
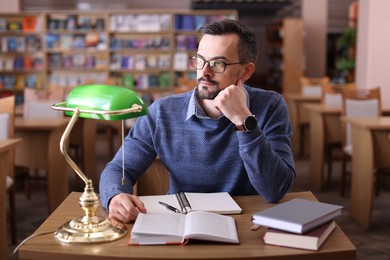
pixel 297 215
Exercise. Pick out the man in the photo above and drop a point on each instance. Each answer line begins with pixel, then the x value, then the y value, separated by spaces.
pixel 222 136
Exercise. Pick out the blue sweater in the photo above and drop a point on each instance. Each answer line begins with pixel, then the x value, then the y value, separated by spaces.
pixel 203 154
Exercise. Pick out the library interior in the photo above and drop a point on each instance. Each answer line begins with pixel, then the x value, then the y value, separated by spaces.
pixel 328 60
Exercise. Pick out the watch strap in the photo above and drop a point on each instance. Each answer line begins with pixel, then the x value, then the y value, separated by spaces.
pixel 239 127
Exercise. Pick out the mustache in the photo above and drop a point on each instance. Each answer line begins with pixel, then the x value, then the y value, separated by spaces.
pixel 206 80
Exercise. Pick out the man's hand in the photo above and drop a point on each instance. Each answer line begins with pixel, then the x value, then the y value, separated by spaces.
pixel 125 207
pixel 232 102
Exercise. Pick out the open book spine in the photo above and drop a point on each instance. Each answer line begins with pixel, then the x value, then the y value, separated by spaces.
pixel 183 202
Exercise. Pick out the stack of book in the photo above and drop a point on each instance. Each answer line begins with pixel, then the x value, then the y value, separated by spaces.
pixel 298 223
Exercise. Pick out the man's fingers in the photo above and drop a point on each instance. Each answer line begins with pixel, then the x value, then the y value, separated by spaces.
pixel 121 216
pixel 139 205
pixel 125 207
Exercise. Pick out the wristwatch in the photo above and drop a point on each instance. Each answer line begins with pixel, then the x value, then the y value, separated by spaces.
pixel 249 124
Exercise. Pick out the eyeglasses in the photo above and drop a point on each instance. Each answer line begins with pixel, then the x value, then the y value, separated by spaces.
pixel 217 66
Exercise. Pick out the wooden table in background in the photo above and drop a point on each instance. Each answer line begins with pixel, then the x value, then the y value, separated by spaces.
pixel 84 136
pixel 41 149
pixel 371 150
pixel 251 246
pixel 325 128
pixel 6 147
pixel 299 117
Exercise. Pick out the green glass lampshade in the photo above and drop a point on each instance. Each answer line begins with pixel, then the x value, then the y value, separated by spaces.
pixel 95 100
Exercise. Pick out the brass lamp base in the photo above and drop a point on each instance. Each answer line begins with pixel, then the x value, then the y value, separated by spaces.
pixel 77 231
pixel 90 228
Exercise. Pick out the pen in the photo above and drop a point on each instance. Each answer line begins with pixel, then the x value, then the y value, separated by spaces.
pixel 171 208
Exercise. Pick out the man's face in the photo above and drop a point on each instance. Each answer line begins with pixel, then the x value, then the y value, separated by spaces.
pixel 223 48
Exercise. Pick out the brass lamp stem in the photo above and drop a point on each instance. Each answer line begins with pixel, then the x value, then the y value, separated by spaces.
pixel 64 141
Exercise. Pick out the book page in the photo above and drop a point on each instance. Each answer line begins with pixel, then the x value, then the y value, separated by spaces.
pixel 219 202
pixel 153 206
pixel 210 226
pixel 158 229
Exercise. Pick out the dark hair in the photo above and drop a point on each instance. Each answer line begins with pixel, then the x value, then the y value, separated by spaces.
pixel 247 47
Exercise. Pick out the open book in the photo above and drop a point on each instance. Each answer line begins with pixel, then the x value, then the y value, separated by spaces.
pixel 155 228
pixel 219 202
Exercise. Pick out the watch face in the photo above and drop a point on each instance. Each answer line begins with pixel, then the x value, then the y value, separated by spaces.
pixel 250 123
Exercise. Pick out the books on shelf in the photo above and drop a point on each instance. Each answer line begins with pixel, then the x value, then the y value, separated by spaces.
pixel 155 228
pixel 218 202
pixel 116 43
pixel 139 23
pixel 311 240
pixel 31 24
pixel 3 25
pixel 180 61
pixel 297 215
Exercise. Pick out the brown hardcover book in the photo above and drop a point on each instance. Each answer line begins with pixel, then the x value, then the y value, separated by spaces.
pixel 311 240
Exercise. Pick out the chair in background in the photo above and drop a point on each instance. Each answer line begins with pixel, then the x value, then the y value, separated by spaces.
pixel 7 108
pixel 37 105
pixel 155 180
pixel 356 103
pixel 38 102
pixel 310 87
pixel 332 97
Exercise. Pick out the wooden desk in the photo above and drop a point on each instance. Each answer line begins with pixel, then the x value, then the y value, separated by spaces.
pixel 325 128
pixel 41 149
pixel 299 117
pixel 371 149
pixel 337 246
pixel 6 147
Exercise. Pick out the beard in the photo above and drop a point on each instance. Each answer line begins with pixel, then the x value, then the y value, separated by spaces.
pixel 204 92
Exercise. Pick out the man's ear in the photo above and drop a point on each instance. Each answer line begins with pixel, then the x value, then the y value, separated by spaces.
pixel 248 71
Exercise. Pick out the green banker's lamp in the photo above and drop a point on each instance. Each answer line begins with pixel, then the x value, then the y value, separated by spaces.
pixel 94 102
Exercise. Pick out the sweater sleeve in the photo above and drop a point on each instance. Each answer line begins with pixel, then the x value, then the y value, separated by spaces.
pixel 139 154
pixel 266 153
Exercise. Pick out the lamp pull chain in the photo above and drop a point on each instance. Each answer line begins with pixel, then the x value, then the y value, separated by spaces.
pixel 123 153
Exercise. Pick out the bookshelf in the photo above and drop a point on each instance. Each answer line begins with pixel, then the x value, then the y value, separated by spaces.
pixel 285 55
pixel 141 49
pixel 76 47
pixel 22 59
pixel 147 50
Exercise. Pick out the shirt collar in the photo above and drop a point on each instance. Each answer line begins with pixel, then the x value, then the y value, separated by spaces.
pixel 194 108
